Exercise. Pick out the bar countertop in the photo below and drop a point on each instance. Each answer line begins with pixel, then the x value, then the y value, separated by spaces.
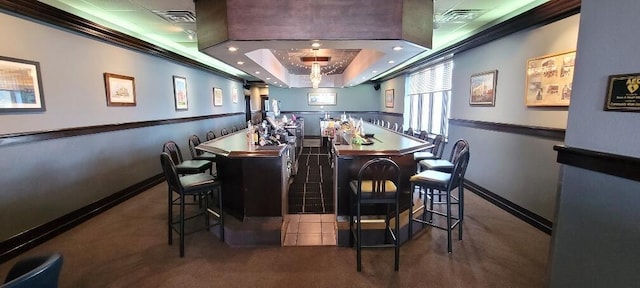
pixel 385 142
pixel 235 145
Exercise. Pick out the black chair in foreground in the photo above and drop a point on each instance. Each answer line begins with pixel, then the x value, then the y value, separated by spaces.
pixel 378 183
pixel 200 185
pixel 38 271
pixel 444 183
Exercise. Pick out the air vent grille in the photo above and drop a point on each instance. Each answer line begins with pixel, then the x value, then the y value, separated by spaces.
pixel 177 16
pixel 460 16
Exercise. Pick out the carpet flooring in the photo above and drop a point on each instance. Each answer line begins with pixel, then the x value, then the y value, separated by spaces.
pixel 126 246
pixel 312 189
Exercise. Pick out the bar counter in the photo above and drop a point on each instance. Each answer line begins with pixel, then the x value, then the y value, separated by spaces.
pixel 254 187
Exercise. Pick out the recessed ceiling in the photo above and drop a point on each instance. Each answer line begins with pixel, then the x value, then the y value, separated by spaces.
pixel 168 24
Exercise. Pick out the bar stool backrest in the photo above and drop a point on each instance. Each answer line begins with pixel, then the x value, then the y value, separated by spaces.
pixel 438 146
pixel 379 172
pixel 458 148
pixel 194 141
pixel 211 135
pixel 172 149
pixel 459 169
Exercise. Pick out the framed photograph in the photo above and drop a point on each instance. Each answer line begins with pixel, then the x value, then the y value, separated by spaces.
pixel 322 98
pixel 20 86
pixel 217 97
pixel 549 80
pixel 388 98
pixel 180 93
pixel 483 88
pixel 121 90
pixel 234 95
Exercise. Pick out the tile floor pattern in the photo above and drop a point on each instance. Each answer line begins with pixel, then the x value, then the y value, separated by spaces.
pixel 310 230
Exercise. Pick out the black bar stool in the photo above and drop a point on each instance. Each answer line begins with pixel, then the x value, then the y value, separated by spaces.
pixel 378 183
pixel 444 183
pixel 200 185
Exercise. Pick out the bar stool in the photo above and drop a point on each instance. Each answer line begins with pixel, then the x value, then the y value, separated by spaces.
pixel 210 135
pixel 378 183
pixel 201 186
pixel 185 166
pixel 435 153
pixel 196 154
pixel 444 183
pixel 441 164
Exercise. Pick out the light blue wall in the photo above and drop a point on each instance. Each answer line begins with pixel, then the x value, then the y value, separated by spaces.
pixel 594 243
pixel 521 169
pixel 358 98
pixel 45 180
pixel 362 98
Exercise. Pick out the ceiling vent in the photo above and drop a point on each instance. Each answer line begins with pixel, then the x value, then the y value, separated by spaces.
pixel 459 16
pixel 177 16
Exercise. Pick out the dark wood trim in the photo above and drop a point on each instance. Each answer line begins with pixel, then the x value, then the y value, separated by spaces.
pixel 391 114
pixel 603 162
pixel 48 14
pixel 536 131
pixel 30 137
pixel 549 12
pixel 521 213
pixel 31 238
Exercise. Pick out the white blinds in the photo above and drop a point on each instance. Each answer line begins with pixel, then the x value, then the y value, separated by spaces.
pixel 432 79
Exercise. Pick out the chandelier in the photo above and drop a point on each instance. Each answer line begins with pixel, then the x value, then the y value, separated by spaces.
pixel 315 75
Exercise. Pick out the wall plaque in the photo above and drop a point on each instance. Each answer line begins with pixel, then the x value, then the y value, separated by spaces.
pixel 623 93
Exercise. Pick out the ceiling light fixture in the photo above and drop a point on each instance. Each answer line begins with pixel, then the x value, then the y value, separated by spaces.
pixel 233 49
pixel 316 75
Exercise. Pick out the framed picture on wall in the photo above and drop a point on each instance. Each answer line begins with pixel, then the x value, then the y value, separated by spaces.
pixel 121 90
pixel 483 88
pixel 20 86
pixel 234 95
pixel 549 80
pixel 322 98
pixel 388 98
pixel 217 96
pixel 180 92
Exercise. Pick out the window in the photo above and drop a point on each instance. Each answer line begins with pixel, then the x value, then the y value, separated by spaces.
pixel 427 102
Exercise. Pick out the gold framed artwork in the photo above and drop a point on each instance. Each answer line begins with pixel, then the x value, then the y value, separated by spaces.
pixel 549 80
pixel 120 89
pixel 217 97
pixel 180 93
pixel 388 98
pixel 322 98
pixel 20 86
pixel 483 88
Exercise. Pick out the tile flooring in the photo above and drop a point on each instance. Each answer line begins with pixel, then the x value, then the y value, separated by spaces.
pixel 310 230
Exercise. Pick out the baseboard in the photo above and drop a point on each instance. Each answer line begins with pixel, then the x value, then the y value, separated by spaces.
pixel 521 213
pixel 26 240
